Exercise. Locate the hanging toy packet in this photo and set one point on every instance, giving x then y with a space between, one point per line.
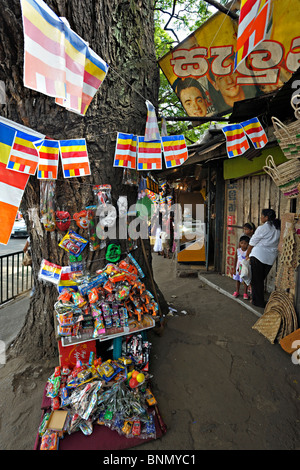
47 208
94 241
103 193
73 243
62 220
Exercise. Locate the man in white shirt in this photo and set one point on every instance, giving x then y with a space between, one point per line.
263 251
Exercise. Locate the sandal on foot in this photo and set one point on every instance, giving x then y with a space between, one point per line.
246 297
235 294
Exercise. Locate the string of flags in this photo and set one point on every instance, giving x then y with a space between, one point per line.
145 152
236 137
28 153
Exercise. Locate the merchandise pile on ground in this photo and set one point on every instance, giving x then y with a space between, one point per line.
114 393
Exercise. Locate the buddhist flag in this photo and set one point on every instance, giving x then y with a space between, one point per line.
58 62
48 159
44 49
175 150
149 155
95 71
74 157
236 140
49 272
253 24
255 132
12 185
151 131
75 53
126 151
66 280
24 156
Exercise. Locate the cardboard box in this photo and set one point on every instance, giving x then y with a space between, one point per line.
57 420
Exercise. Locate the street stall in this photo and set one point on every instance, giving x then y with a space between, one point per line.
93 401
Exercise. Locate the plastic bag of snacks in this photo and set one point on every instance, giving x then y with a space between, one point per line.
49 441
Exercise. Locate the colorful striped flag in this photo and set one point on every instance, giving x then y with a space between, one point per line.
255 132
44 49
49 272
24 155
253 23
75 52
12 185
149 155
74 157
95 71
175 150
66 279
236 140
151 131
57 62
48 159
126 151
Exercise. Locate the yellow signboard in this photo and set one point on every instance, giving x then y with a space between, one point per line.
200 69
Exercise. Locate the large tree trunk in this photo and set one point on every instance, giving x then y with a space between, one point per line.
122 33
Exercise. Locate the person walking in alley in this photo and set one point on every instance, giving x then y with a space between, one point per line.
262 252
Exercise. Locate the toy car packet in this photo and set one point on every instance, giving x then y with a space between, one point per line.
73 243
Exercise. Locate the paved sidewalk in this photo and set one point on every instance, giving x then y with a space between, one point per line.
12 317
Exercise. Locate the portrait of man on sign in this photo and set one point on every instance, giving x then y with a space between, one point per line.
192 96
225 89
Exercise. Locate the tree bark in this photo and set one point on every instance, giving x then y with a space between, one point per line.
122 33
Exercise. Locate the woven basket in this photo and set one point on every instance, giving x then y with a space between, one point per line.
288 137
286 176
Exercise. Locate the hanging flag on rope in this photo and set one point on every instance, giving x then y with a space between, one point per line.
24 156
67 280
236 140
253 24
255 132
44 50
175 150
57 62
74 158
49 272
126 149
48 159
151 131
149 155
95 71
12 185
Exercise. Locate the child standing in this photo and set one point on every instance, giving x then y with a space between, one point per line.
249 229
239 258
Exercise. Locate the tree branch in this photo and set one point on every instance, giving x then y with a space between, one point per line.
223 9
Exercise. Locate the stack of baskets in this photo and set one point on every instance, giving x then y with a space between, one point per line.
287 175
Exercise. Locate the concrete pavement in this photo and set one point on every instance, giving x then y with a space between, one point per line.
12 317
220 385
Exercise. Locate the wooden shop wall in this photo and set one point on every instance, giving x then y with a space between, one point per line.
244 200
